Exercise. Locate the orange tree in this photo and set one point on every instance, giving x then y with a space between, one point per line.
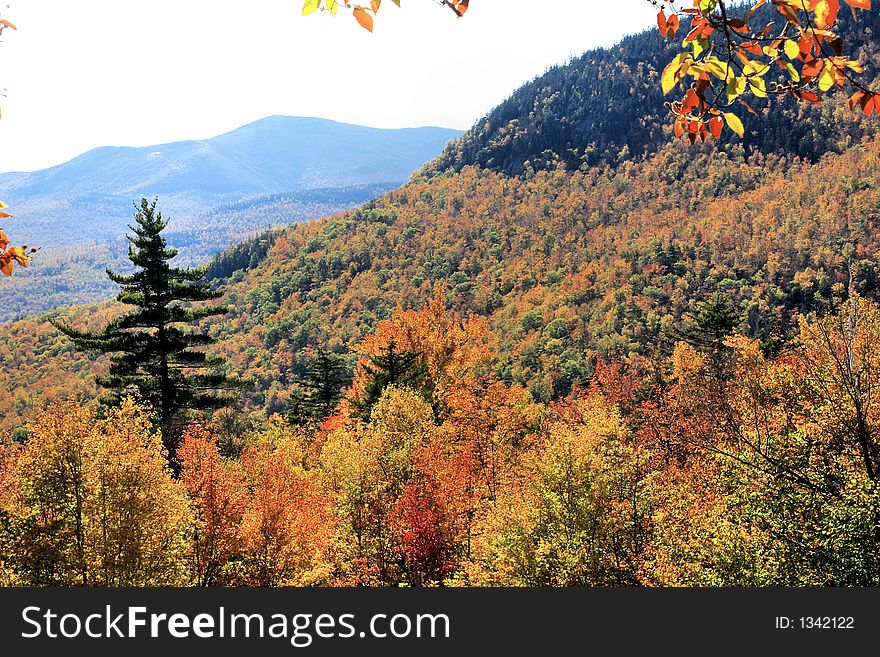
732 55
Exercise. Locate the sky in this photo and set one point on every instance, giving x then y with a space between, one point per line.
79 74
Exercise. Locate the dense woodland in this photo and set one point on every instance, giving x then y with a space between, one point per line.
715 465
570 352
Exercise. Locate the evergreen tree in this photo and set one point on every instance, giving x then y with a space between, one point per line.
322 388
715 321
151 350
390 367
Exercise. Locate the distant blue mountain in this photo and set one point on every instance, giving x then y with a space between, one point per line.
78 210
274 155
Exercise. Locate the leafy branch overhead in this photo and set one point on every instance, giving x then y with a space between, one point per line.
732 54
364 14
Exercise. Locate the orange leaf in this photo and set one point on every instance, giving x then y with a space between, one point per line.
672 25
826 13
662 25
18 254
715 126
362 17
375 5
5 215
680 123
691 101
6 265
855 98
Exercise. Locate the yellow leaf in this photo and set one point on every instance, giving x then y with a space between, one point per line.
758 87
735 88
671 74
734 123
826 80
310 7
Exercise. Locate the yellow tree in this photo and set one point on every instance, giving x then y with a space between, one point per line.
582 514
92 502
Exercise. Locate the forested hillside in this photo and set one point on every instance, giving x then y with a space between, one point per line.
74 273
608 261
572 351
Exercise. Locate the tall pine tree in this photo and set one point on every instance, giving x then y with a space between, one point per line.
151 348
321 387
391 367
715 321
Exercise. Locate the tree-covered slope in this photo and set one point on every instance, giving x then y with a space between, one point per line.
566 266
605 261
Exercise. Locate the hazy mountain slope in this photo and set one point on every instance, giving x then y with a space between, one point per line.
273 155
78 212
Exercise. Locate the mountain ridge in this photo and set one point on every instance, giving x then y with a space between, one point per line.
261 157
77 212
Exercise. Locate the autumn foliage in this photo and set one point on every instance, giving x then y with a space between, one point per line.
11 255
758 470
737 54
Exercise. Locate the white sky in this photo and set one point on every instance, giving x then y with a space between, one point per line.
87 73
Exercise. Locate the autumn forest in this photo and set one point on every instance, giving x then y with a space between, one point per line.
598 341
